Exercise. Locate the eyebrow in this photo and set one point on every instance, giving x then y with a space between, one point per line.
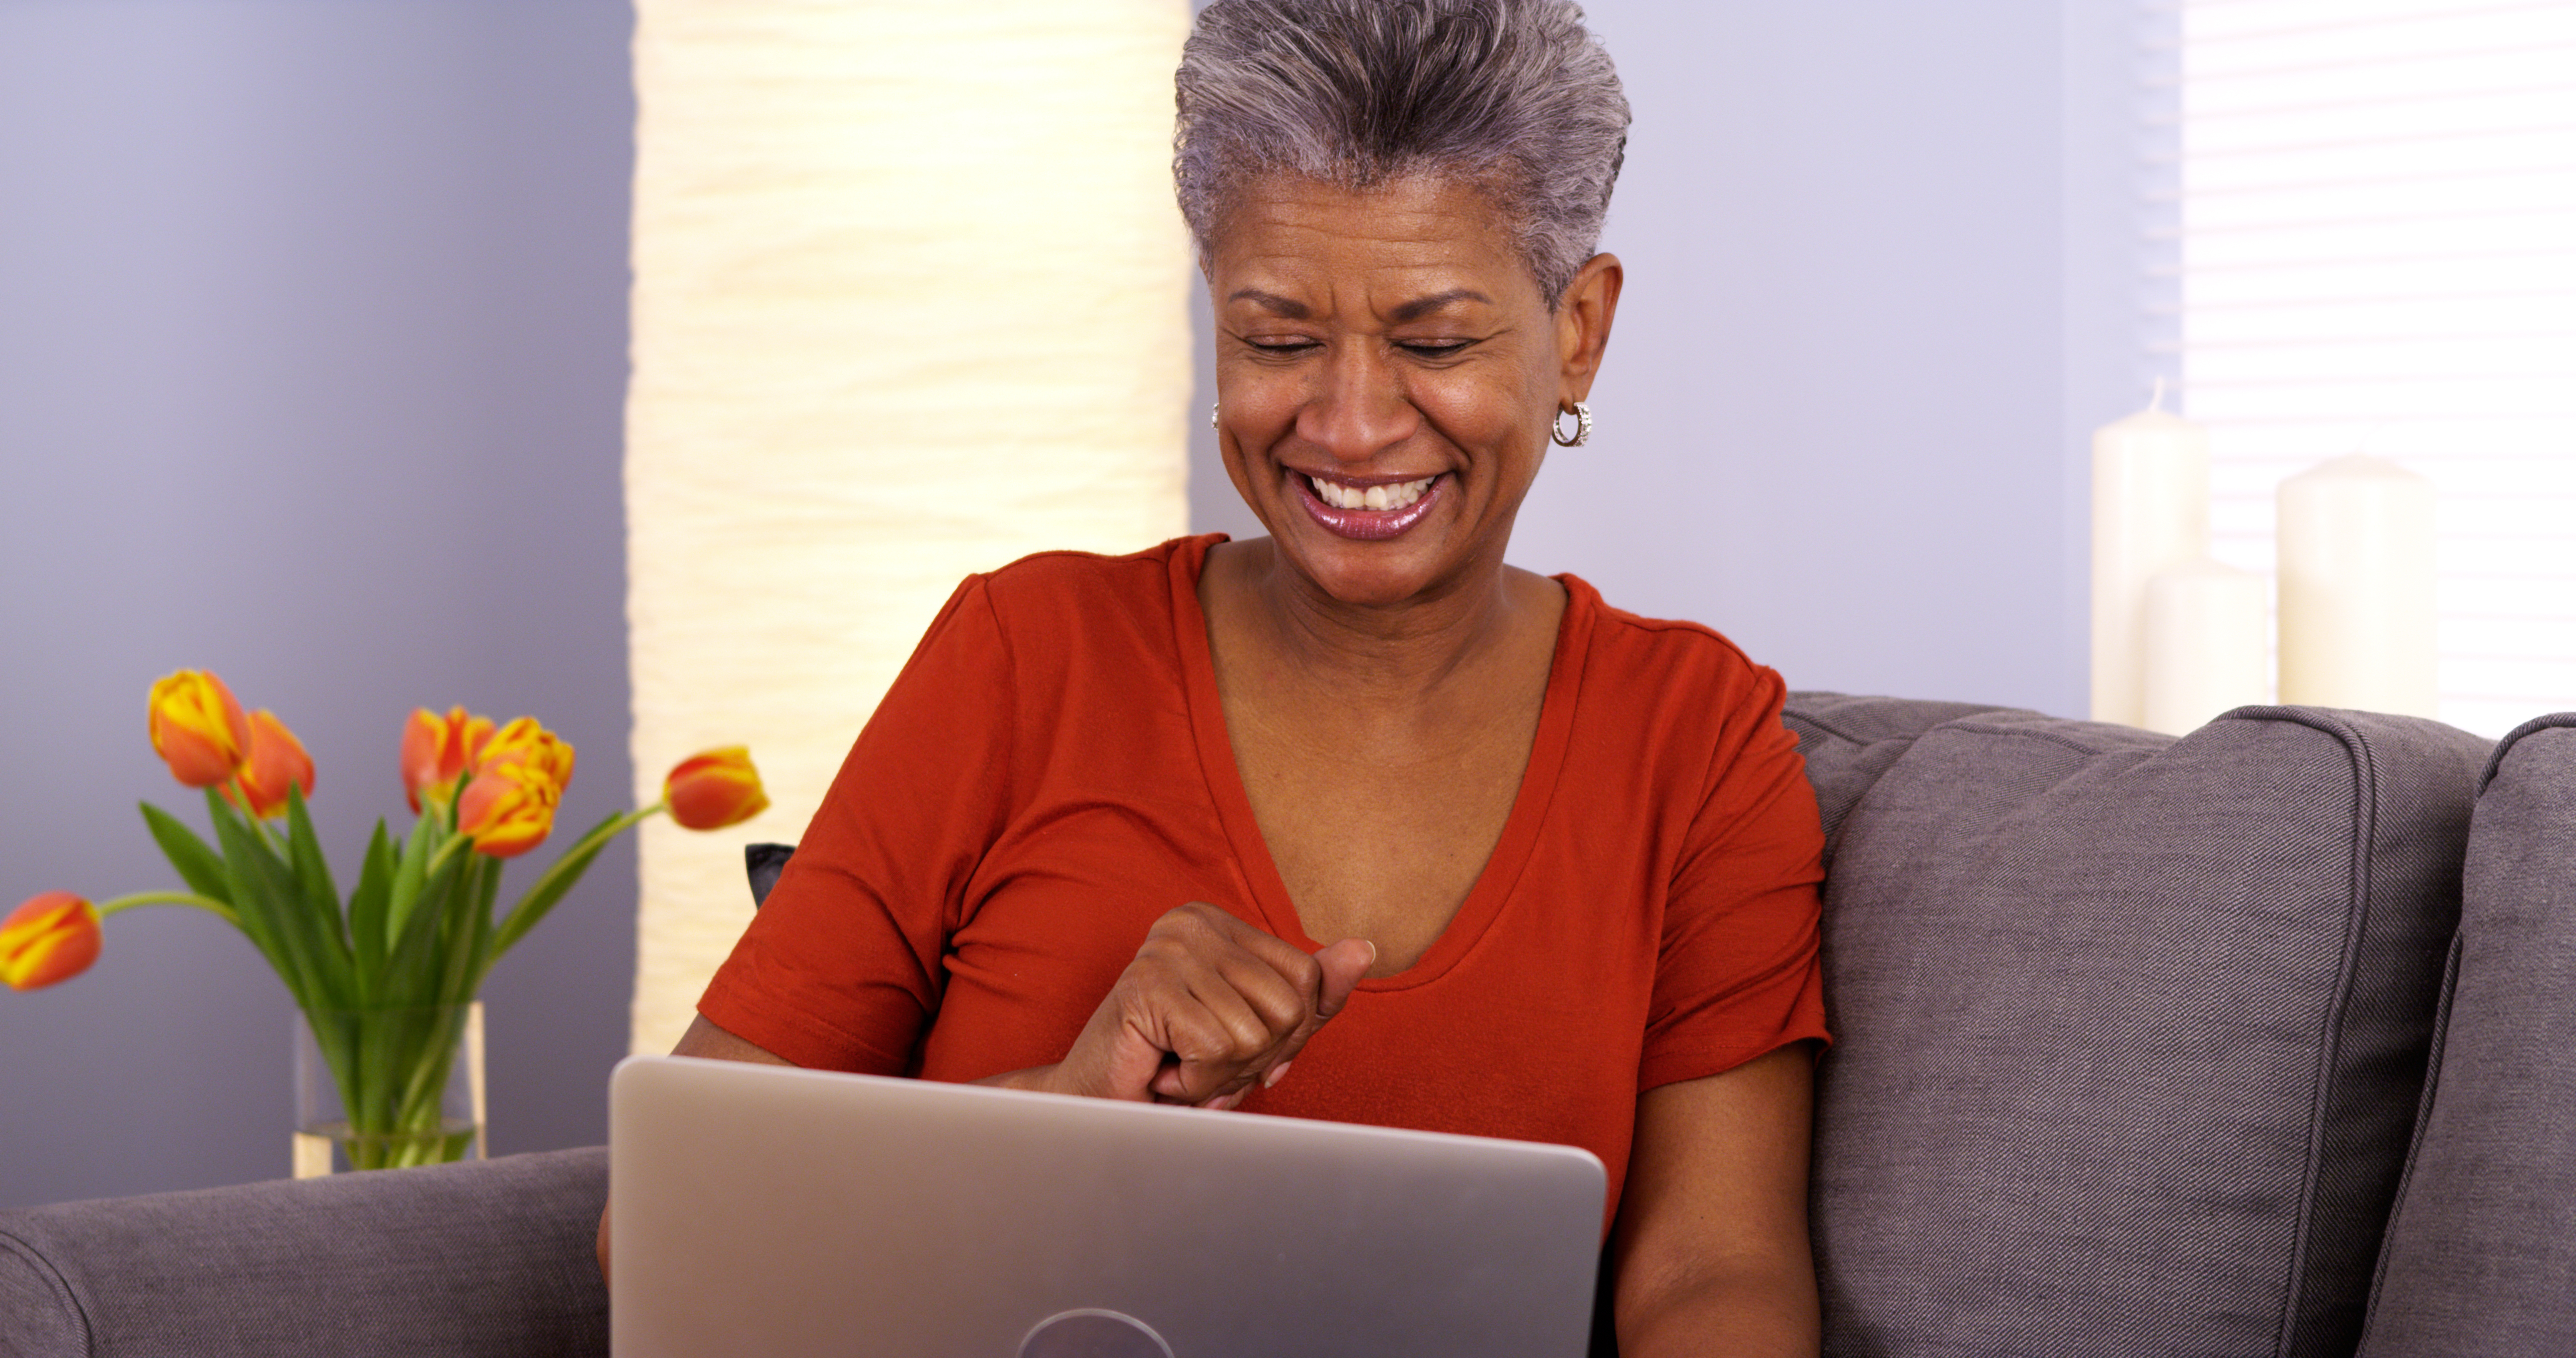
1414 310
1293 310
1420 307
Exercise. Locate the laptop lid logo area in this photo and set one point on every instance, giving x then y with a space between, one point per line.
1091 1333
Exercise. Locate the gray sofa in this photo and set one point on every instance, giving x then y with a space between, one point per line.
2144 1046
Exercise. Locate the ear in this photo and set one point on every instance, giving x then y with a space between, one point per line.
1583 317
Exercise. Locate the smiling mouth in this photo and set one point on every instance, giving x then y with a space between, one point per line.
1400 495
1368 513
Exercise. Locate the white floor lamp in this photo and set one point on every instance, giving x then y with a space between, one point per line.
909 303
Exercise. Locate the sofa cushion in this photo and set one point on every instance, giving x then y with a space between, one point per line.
492 1259
2481 1253
1849 741
2130 1030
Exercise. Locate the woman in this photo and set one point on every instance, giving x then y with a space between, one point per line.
1566 856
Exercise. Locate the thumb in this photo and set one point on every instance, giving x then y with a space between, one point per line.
1344 963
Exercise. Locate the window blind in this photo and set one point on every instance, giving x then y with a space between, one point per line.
2376 234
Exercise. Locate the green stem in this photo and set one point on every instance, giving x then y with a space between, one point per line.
455 845
215 907
607 831
259 826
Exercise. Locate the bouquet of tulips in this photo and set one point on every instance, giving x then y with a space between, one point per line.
384 973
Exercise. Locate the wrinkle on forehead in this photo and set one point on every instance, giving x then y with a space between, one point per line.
1289 235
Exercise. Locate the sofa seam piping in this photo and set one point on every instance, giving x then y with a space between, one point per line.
2358 754
25 1249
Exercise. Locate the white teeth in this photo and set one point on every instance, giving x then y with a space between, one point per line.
1373 497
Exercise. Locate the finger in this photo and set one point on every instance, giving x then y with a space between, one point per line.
1340 967
1250 1035
1278 980
1343 964
1282 992
1207 1063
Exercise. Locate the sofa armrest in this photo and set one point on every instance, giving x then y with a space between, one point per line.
492 1259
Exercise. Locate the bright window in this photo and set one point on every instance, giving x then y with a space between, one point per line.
2377 253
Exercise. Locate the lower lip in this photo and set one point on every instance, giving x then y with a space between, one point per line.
1367 525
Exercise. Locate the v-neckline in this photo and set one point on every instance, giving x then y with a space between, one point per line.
1502 870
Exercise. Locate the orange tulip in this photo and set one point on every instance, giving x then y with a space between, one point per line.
509 808
53 937
437 750
277 762
714 789
523 739
198 728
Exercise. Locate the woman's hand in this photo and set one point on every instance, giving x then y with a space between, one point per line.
1209 1006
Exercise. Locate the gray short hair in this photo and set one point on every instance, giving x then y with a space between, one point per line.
1513 96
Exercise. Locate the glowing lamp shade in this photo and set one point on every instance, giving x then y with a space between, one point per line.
909 303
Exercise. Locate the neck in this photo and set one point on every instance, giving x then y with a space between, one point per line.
1395 653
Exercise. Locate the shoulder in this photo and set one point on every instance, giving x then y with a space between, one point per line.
1047 582
1084 609
1644 656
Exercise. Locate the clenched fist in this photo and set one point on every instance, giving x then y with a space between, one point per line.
1209 1006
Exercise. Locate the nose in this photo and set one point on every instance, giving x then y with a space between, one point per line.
1359 408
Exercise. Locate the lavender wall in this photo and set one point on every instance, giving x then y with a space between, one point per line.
312 356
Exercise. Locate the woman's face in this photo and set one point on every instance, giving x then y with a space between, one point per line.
1387 372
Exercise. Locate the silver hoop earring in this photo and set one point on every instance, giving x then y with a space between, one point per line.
1213 408
1582 427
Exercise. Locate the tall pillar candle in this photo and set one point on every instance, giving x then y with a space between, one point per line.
2204 644
2150 511
2357 610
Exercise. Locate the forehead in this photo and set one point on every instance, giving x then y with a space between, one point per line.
1285 232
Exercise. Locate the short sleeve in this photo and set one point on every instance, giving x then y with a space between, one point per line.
1738 974
842 968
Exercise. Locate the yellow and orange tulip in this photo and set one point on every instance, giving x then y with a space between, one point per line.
509 808
198 729
436 751
714 789
523 739
53 937
277 761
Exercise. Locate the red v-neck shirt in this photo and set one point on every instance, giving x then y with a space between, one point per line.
1051 773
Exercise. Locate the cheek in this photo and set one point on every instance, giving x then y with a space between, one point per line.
1254 396
1489 412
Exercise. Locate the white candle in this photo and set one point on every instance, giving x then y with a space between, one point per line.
2204 644
2357 614
2150 511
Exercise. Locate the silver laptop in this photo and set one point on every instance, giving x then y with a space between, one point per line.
796 1214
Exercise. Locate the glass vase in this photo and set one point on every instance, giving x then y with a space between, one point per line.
388 1088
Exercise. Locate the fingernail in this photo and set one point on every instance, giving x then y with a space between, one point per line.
1276 1074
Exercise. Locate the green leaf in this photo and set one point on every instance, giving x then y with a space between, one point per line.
367 907
471 932
263 891
320 917
412 874
412 969
197 865
559 879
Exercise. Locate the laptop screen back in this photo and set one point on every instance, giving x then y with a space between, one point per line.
793 1213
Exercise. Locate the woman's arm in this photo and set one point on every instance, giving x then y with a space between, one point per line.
1711 1252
